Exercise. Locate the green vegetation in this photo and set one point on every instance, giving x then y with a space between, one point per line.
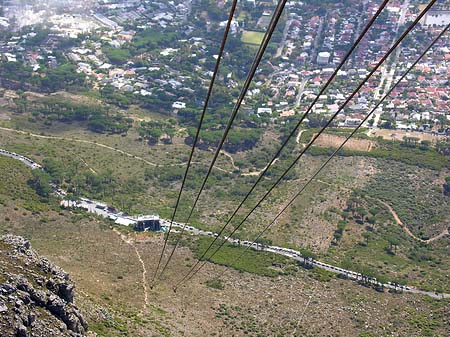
252 37
117 165
447 186
426 158
215 283
322 275
40 182
372 244
96 118
137 187
13 187
150 39
152 131
238 139
62 77
117 56
260 263
415 195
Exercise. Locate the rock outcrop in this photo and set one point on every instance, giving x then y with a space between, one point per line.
36 296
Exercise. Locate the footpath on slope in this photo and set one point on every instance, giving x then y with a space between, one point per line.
405 227
397 218
129 241
71 139
274 249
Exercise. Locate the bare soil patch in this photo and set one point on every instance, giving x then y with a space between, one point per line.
399 134
354 144
4 116
64 96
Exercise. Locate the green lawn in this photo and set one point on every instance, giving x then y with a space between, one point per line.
252 37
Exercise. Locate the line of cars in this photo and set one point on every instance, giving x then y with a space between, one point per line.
25 160
274 249
113 213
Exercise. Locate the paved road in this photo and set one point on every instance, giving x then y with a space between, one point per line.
296 255
315 51
283 39
301 90
387 76
25 160
103 210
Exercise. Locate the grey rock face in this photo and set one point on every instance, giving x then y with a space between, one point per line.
37 297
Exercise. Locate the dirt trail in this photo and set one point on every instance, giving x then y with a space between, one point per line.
299 135
100 145
407 230
127 153
130 242
257 173
311 296
398 220
85 163
254 173
226 154
80 141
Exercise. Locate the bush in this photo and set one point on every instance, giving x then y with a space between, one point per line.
215 283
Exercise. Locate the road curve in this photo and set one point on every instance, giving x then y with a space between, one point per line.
287 252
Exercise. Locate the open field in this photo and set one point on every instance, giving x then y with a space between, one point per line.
252 37
334 141
399 134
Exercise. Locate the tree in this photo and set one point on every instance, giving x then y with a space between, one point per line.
307 254
40 182
410 141
153 135
393 243
264 242
54 169
443 147
117 56
62 77
387 125
425 145
367 236
371 220
362 213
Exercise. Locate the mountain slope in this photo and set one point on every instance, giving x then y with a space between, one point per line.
36 297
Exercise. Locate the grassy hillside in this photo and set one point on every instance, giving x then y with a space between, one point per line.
344 217
108 276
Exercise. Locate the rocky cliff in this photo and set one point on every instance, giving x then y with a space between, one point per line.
36 297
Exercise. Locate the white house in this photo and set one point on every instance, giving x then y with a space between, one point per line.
179 105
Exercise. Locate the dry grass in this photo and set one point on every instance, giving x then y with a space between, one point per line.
354 144
108 276
399 134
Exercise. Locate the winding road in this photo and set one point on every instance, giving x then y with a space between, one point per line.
396 217
290 253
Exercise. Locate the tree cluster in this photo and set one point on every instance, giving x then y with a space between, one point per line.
153 131
97 118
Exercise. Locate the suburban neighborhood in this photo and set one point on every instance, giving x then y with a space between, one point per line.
136 49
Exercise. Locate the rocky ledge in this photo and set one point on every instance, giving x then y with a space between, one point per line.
36 296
